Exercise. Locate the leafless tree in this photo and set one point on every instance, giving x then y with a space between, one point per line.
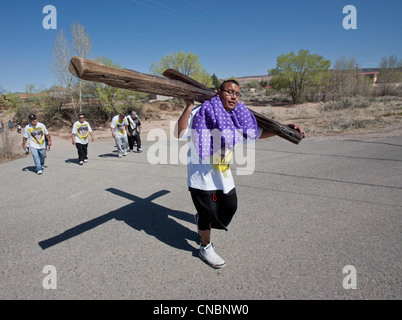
344 77
81 46
62 53
390 72
61 59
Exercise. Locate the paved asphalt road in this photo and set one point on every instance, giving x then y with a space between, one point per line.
123 228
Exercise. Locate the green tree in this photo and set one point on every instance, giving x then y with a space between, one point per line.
108 96
187 64
114 100
297 73
14 103
215 82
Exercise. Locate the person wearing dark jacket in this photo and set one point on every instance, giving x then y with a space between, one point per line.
134 127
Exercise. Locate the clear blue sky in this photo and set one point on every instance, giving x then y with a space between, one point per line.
232 38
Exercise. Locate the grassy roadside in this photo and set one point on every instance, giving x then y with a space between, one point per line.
344 116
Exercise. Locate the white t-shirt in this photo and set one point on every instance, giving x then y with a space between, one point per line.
119 126
208 174
81 132
36 135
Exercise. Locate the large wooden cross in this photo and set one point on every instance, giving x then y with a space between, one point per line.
177 85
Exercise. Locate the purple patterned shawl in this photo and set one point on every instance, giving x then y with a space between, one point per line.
214 128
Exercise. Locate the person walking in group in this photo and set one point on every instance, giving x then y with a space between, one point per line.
119 129
35 133
79 135
134 128
209 177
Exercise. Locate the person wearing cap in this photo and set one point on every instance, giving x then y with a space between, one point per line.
79 136
134 127
35 133
119 128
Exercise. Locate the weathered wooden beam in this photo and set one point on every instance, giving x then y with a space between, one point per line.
131 80
176 75
264 122
180 86
277 128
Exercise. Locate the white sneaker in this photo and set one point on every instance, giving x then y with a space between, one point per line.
209 255
85 160
39 172
124 153
120 155
81 163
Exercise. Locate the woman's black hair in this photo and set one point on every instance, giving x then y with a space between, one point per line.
228 81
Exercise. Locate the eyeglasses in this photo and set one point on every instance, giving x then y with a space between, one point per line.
232 93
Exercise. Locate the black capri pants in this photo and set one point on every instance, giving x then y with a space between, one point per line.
214 208
82 151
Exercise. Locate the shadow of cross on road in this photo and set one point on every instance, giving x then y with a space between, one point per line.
142 214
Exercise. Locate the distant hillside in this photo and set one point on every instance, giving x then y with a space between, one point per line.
243 80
